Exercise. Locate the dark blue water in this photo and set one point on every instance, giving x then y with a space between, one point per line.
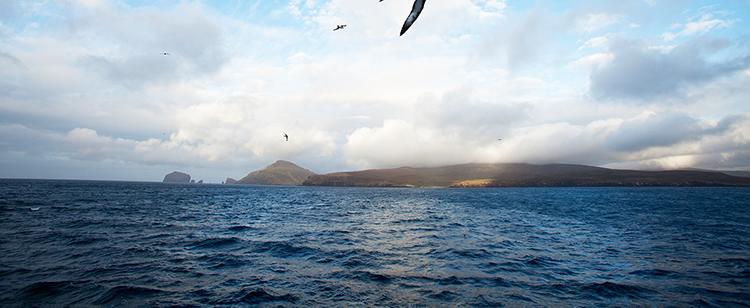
109 243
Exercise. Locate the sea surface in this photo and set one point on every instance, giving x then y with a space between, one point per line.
151 244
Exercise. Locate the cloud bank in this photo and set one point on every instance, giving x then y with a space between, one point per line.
86 92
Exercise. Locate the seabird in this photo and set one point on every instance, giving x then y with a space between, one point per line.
415 11
166 53
286 136
339 27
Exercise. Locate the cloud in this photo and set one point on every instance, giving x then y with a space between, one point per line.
527 39
593 61
596 22
461 110
398 142
703 24
642 73
662 140
595 42
454 128
134 40
650 140
664 130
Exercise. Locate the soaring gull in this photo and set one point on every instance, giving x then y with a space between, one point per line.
415 11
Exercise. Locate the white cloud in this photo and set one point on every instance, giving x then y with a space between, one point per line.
595 42
596 22
703 24
593 61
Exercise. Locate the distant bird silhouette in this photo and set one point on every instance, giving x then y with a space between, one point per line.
415 11
339 27
499 139
286 137
166 53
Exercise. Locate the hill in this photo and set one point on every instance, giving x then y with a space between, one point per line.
522 175
279 173
743 174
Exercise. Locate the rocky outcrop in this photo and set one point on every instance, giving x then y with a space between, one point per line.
177 177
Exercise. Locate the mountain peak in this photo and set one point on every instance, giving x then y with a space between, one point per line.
281 172
283 164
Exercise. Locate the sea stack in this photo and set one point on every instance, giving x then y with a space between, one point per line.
177 177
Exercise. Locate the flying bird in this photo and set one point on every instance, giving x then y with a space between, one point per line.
166 53
339 27
415 11
286 137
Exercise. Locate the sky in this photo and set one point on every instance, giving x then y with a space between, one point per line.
86 92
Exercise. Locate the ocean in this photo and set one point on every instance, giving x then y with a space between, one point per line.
84 243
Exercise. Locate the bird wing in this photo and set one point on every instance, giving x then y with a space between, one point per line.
415 11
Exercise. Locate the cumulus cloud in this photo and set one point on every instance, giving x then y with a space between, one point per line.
640 72
456 127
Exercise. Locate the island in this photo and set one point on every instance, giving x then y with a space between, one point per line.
522 175
177 177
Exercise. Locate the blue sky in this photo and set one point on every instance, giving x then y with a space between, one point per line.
85 91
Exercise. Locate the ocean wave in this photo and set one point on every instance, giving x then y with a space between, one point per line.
539 261
86 241
648 273
46 289
611 290
240 228
255 296
284 249
126 292
215 243
223 261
